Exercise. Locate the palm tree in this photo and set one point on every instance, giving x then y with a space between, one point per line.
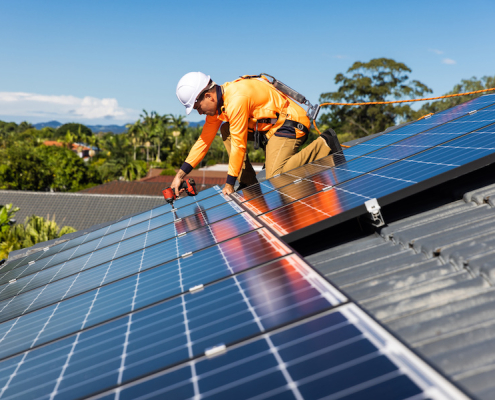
135 134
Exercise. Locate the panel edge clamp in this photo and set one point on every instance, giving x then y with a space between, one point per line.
196 288
373 208
12 281
215 351
188 254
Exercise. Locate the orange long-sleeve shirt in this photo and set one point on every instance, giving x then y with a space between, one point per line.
244 102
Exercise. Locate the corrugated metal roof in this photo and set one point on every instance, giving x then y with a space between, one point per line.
430 279
75 209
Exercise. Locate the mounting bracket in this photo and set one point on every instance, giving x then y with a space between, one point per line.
375 216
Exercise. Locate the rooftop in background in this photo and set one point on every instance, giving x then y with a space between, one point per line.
78 210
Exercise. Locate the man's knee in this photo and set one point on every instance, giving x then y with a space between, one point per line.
225 131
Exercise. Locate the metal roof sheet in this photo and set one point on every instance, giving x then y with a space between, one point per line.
429 278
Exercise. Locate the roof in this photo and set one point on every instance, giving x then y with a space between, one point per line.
153 187
429 277
75 209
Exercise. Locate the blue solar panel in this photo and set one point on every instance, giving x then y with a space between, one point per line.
168 332
335 355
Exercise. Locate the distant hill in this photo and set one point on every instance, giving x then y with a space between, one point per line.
100 128
49 124
94 128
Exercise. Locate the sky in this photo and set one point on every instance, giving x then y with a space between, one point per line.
104 61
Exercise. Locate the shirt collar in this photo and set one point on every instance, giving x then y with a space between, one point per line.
219 99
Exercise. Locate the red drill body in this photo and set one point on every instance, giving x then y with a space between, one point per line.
189 186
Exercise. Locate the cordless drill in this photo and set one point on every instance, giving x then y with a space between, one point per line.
189 185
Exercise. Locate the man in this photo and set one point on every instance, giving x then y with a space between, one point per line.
250 108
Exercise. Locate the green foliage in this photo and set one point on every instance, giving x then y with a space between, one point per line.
168 172
380 79
79 130
44 168
7 214
34 230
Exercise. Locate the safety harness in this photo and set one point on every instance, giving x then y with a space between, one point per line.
261 137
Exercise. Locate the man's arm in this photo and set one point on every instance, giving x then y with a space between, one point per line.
198 151
238 113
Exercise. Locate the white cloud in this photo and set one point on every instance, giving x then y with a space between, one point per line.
63 107
448 61
436 51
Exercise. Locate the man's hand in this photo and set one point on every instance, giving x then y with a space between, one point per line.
228 189
179 178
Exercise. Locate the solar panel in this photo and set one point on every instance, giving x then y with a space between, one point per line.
170 331
337 354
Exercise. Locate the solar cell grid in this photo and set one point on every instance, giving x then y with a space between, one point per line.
419 126
367 163
339 354
23 289
386 181
157 282
155 337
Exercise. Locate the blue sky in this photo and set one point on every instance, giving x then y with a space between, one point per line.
103 61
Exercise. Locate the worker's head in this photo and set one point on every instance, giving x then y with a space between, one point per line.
196 90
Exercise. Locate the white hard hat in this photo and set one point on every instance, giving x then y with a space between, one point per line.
189 87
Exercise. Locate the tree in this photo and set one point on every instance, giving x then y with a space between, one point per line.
466 85
42 168
75 129
380 79
35 230
7 214
135 134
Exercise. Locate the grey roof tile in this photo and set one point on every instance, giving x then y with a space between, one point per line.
459 339
444 319
463 360
445 224
442 294
380 285
80 211
424 218
480 196
480 382
369 268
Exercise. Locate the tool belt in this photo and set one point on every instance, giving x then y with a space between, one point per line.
260 137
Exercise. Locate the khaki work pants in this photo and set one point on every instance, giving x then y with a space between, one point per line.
281 155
